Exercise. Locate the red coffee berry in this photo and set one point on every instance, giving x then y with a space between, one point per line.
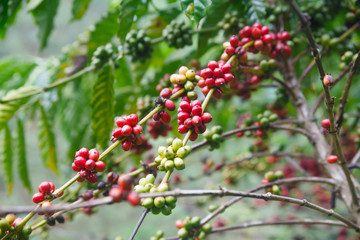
133 198
45 206
83 173
205 73
125 182
255 79
213 64
246 31
284 36
116 194
132 119
165 93
264 30
83 152
137 130
182 116
45 187
197 121
112 177
200 129
52 186
267 38
90 164
287 50
179 224
16 222
219 82
197 110
217 93
126 145
226 68
201 83
100 166
332 159
165 117
195 103
94 154
230 51
264 181
234 41
325 123
210 82
38 197
206 117
228 77
256 33
328 80
218 73
258 44
257 25
182 129
80 162
75 168
185 106
91 178
260 133
80 179
188 123
193 136
120 121
170 105
205 90
117 133
126 130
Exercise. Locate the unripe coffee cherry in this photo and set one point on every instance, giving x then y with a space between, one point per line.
328 80
332 159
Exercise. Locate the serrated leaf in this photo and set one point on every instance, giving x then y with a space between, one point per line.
103 31
126 16
8 109
79 8
102 106
216 12
256 10
21 155
44 14
46 141
7 158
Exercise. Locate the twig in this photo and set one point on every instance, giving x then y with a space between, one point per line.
329 101
306 71
300 55
345 93
284 84
143 215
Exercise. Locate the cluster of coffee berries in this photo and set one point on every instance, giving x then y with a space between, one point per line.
267 65
9 223
129 129
328 80
332 159
172 156
51 220
346 58
214 137
121 188
191 117
190 228
156 205
231 22
244 120
216 75
166 103
87 163
159 236
266 117
101 55
46 190
159 128
185 79
138 45
177 34
273 10
271 177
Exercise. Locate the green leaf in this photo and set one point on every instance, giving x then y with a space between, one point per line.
8 109
8 12
126 16
44 14
21 154
79 8
197 10
46 141
216 13
7 157
13 68
103 31
102 106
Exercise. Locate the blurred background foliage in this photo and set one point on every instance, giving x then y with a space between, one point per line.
45 40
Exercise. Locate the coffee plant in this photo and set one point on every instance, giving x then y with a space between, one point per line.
191 118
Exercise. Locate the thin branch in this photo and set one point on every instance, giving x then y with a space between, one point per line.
282 83
143 215
322 95
345 93
329 101
300 55
306 71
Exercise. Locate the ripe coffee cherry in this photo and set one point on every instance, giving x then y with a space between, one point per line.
325 123
45 187
133 198
112 177
90 164
38 197
116 194
126 145
185 106
165 93
94 154
120 121
226 68
100 166
170 105
328 80
80 162
255 32
179 224
83 173
125 182
213 64
126 130
332 159
83 152
137 130
234 41
284 36
91 178
267 38
117 133
45 206
264 30
206 117
52 185
75 168
246 32
258 44
165 117
132 119
287 50
196 110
